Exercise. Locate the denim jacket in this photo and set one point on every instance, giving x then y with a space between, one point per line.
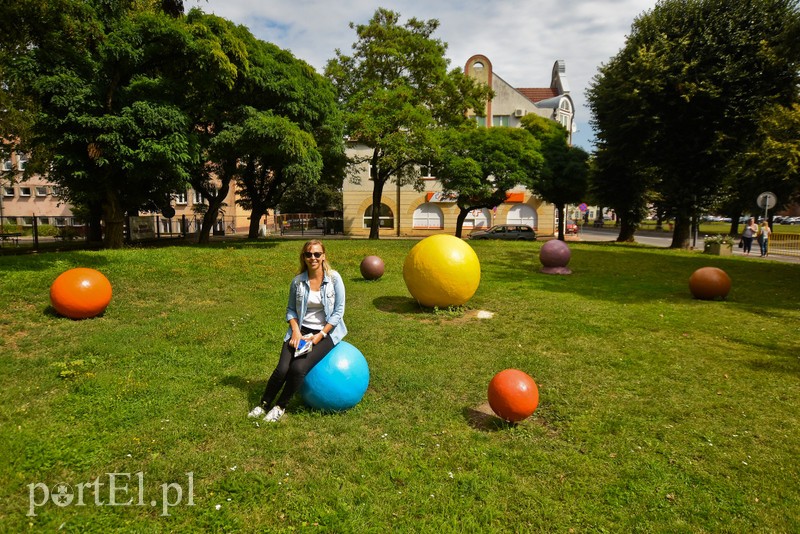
332 292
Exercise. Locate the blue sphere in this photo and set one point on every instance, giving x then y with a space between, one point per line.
339 381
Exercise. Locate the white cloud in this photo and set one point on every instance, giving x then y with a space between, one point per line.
522 39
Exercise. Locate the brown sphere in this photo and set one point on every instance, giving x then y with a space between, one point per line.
372 267
709 283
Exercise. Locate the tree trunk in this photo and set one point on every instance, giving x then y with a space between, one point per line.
462 215
114 218
377 194
214 206
256 213
562 222
94 224
209 220
627 229
735 222
680 237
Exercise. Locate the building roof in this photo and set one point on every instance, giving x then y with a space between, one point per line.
536 94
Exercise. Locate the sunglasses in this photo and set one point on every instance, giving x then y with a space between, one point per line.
313 254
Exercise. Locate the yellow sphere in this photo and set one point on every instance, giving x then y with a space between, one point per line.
442 270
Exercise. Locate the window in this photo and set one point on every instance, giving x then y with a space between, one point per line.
60 221
11 220
44 220
56 192
500 120
427 171
522 214
386 217
27 221
477 219
8 191
428 216
24 191
7 165
22 160
198 198
41 191
480 120
180 198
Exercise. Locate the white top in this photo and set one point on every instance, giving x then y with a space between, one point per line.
315 313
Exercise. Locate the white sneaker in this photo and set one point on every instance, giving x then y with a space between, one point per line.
274 415
258 411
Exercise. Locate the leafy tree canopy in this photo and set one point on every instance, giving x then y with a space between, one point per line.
564 177
481 165
395 90
686 94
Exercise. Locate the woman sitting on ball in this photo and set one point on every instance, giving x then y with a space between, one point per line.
314 313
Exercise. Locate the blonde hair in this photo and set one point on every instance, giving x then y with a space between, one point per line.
326 268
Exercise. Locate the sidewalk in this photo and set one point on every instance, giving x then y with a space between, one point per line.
664 240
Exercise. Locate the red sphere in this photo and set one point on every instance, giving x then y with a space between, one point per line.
513 395
372 267
709 283
80 293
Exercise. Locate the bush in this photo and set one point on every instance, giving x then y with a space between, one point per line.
47 230
8 228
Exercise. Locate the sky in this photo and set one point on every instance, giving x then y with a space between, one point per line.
522 39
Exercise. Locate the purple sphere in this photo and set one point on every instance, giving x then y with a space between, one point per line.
372 267
555 256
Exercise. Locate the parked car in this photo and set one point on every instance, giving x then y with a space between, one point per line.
506 231
571 228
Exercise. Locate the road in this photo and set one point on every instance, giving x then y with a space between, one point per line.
610 234
665 239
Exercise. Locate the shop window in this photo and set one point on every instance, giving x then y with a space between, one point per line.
428 216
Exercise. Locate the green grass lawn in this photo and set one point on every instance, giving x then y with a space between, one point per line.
658 413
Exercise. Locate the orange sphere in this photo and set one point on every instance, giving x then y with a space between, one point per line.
80 293
709 283
513 395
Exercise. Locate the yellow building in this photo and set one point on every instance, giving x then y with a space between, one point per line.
406 212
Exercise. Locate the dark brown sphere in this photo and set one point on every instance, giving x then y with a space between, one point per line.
555 253
709 283
372 267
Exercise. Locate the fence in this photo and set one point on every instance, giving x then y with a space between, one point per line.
784 244
22 232
40 231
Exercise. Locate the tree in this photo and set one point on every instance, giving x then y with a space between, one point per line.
395 90
686 93
110 114
480 165
269 152
771 163
277 123
564 177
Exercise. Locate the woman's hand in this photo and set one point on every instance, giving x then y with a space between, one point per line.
317 338
295 339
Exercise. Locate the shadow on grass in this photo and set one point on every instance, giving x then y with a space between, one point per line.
252 388
402 305
45 261
637 273
479 419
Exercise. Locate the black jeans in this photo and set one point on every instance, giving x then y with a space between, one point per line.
748 244
290 371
